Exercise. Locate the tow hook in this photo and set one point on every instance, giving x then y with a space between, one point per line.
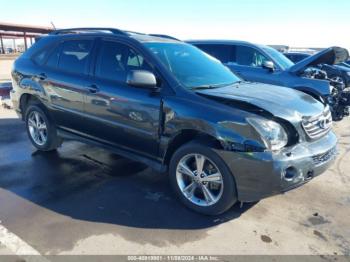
309 175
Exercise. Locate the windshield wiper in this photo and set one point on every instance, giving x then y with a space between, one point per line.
212 86
202 87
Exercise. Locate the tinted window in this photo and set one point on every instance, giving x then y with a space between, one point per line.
249 56
39 58
53 58
278 58
115 60
225 53
74 56
191 66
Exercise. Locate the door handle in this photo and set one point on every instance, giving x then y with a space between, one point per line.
41 76
93 89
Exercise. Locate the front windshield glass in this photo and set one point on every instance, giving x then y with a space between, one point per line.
278 58
192 67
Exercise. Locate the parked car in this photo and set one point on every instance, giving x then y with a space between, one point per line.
296 57
165 103
259 63
339 72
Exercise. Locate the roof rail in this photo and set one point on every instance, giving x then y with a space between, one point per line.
165 36
91 29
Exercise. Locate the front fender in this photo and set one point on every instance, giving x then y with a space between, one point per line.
225 124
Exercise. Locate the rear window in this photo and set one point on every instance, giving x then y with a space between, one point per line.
74 56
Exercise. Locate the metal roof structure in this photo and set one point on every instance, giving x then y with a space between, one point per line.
16 31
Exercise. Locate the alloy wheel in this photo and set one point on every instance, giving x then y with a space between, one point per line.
199 180
37 128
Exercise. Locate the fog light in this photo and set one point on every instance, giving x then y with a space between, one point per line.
290 173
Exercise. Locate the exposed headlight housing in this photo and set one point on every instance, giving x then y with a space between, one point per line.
272 133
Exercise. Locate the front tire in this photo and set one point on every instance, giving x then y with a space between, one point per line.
201 179
40 129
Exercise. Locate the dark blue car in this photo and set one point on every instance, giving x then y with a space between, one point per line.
296 57
339 72
260 63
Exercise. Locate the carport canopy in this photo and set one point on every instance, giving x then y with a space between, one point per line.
15 31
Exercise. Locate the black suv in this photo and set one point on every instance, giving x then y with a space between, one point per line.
163 102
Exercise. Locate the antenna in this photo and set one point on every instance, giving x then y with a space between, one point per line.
53 25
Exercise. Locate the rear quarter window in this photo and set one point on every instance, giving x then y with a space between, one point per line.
39 58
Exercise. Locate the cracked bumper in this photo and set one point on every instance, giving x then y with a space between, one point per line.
262 174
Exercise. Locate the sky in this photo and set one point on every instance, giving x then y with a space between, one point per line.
297 23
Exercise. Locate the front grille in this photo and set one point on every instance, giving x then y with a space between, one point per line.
324 157
318 126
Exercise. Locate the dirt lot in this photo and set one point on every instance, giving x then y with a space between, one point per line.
5 68
85 200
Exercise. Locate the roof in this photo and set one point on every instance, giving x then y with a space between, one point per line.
209 41
298 53
141 37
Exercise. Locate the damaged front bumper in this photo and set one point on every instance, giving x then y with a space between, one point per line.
263 174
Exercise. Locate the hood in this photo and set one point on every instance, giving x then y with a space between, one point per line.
280 101
330 56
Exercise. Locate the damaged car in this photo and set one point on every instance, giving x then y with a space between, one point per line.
338 72
260 63
169 105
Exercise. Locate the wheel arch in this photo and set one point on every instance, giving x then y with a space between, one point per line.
185 136
25 100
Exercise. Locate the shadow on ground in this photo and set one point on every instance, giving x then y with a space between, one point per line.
91 184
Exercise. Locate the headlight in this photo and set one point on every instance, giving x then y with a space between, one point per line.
272 133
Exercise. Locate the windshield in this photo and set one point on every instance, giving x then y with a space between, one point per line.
278 58
192 67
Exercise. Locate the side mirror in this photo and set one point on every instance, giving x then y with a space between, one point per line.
141 78
269 65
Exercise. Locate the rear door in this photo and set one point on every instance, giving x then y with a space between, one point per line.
121 114
65 80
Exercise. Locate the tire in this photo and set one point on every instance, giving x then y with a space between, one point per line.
225 194
52 141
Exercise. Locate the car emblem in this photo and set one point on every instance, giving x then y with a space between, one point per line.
323 123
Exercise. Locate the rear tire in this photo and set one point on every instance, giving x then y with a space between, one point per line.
41 129
196 169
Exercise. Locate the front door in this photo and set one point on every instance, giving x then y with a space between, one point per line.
121 114
248 64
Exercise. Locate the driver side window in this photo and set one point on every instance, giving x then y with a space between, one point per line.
248 56
116 60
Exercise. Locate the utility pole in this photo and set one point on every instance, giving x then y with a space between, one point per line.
25 41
